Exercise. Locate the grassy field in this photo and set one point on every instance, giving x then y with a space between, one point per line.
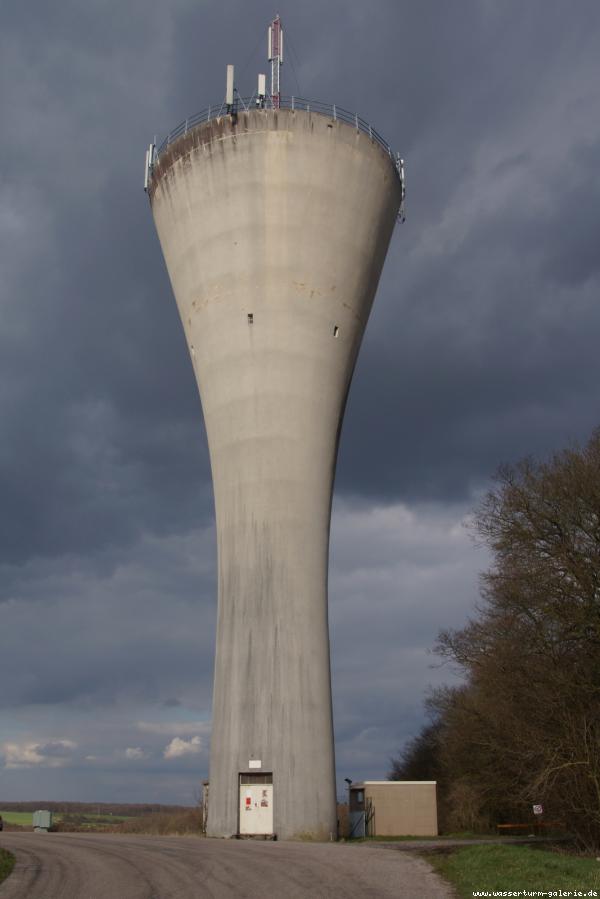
515 868
7 862
463 835
93 820
23 819
108 819
186 822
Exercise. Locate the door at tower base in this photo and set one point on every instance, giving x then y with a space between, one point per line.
256 805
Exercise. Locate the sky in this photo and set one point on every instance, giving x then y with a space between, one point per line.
482 348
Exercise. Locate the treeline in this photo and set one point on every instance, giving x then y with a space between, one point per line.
524 728
94 808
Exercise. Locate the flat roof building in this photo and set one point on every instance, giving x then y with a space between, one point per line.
386 808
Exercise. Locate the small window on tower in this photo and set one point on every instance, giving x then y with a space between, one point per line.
336 330
250 318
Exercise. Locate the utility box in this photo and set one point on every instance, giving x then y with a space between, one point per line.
42 821
393 808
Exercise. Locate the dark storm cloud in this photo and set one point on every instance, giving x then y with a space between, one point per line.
102 437
100 441
139 625
481 348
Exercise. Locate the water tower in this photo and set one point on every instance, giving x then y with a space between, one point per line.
274 216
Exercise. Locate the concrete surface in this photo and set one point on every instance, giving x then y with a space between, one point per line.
104 866
285 217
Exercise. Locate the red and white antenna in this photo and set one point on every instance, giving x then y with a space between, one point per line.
275 57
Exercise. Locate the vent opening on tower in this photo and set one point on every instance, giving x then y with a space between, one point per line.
250 318
336 330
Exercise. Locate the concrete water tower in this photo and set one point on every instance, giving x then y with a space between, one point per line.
274 215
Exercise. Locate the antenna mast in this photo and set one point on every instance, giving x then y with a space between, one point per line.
275 58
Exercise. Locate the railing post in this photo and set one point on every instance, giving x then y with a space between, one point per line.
370 132
356 120
186 126
208 119
334 115
292 102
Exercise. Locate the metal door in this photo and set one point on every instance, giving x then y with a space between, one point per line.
357 825
256 808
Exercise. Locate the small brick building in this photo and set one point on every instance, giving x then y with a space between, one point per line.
387 808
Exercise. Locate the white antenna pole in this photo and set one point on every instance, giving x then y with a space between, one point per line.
229 91
275 55
262 90
148 165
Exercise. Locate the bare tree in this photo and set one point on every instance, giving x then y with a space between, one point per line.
525 727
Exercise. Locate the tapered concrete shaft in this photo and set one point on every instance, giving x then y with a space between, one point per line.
274 229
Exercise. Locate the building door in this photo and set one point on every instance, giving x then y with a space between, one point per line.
357 826
256 804
356 812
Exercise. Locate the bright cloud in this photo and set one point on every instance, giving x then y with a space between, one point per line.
134 753
178 747
53 754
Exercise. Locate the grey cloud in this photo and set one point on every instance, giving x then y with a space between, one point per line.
398 574
142 628
56 749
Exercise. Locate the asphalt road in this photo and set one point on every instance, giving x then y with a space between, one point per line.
108 866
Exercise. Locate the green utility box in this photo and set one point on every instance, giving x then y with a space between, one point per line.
42 821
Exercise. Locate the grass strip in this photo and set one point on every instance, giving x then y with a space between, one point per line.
7 863
23 819
504 868
408 838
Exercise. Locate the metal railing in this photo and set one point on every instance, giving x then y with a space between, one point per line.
244 104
